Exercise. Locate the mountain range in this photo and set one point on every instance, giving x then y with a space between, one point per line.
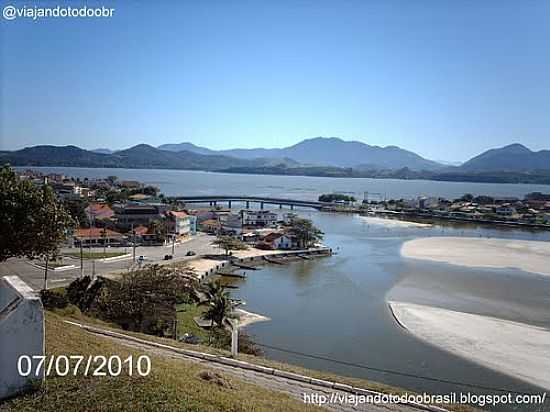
514 157
323 151
312 157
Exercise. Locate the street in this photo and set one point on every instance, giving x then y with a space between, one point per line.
33 275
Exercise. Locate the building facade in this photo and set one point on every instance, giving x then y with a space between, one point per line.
260 218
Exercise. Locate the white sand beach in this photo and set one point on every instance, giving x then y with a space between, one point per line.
512 348
527 255
391 222
248 318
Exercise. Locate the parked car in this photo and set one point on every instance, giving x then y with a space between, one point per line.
190 253
168 257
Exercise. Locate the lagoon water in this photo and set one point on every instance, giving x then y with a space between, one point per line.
337 307
189 183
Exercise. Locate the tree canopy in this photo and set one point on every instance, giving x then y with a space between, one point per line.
229 243
305 231
33 221
333 197
219 305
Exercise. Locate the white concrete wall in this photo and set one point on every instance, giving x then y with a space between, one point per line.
21 333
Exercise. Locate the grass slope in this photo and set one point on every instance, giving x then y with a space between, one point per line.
172 384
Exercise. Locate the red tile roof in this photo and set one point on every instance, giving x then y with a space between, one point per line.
177 213
272 236
141 230
100 210
96 232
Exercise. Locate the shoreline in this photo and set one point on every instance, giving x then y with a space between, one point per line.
527 255
312 175
516 349
388 222
205 268
434 219
247 318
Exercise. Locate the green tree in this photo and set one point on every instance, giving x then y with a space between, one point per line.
332 197
141 300
305 231
229 243
220 308
77 210
468 197
33 221
159 228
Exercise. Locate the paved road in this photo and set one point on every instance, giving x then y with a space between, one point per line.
34 276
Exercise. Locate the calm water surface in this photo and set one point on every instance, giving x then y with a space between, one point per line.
189 183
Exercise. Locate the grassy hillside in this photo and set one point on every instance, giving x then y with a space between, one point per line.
172 385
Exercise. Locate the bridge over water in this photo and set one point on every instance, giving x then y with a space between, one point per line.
214 200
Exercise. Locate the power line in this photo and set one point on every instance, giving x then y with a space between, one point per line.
392 372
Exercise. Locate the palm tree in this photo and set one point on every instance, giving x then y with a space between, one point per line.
219 305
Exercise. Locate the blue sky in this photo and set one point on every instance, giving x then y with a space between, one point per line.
446 79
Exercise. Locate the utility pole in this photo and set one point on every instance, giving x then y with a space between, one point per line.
234 339
81 260
46 274
173 253
176 328
104 238
173 244
133 245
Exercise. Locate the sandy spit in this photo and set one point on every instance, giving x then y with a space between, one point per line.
387 222
527 255
512 348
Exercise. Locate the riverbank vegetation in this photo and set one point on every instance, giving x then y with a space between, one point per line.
336 197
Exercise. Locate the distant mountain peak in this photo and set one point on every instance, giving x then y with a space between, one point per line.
516 147
102 150
325 151
512 158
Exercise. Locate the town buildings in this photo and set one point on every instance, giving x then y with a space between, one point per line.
180 224
259 218
98 211
128 214
96 237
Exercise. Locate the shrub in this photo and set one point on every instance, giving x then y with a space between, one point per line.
53 299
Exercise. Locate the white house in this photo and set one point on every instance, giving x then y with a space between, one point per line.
505 211
259 218
179 223
231 223
277 241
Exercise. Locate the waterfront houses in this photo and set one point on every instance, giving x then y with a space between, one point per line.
276 240
531 210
